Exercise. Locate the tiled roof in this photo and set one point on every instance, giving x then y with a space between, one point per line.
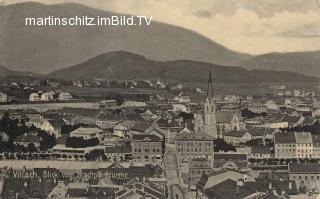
193 137
303 137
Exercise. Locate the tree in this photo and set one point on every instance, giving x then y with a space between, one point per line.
47 141
221 145
119 99
79 142
31 148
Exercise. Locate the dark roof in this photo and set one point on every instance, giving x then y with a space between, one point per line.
283 138
56 123
34 187
260 149
229 189
304 168
260 131
290 119
235 133
148 138
230 156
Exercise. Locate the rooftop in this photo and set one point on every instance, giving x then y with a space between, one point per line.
193 137
86 131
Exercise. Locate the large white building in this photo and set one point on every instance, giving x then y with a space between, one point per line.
291 145
87 133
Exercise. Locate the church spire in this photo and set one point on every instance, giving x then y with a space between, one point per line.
210 85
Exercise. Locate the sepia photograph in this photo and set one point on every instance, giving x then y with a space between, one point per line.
159 99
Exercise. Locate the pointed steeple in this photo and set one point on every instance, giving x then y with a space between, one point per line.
210 85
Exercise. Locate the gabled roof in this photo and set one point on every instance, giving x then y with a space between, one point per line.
56 123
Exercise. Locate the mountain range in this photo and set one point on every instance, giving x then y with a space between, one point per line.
125 65
45 49
307 63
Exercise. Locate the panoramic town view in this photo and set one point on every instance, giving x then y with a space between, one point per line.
159 111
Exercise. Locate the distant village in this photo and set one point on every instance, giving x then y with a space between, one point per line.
159 144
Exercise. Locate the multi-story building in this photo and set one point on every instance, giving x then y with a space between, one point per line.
194 145
293 145
146 147
87 133
305 175
316 146
304 145
237 137
3 97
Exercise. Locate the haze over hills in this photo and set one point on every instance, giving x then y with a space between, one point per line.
5 72
125 65
307 63
45 49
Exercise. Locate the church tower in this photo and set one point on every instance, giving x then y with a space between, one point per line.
210 110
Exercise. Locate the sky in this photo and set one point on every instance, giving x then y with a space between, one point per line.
249 26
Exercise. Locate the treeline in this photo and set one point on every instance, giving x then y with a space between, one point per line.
79 142
314 128
249 114
13 129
